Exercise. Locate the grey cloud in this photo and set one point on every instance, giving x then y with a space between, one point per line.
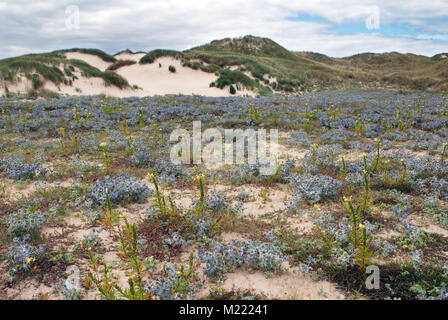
30 26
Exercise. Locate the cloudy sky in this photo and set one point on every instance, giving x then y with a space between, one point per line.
337 28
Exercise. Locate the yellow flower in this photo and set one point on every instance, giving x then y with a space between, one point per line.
317 207
29 260
405 246
103 144
90 249
223 288
361 226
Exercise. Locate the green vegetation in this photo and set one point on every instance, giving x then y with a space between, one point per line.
151 56
172 69
254 63
96 52
228 77
120 63
41 67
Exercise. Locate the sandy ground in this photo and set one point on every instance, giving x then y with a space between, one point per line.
91 59
155 78
151 79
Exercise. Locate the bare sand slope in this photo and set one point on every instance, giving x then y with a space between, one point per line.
155 78
91 59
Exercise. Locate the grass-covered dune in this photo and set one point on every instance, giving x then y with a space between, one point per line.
255 63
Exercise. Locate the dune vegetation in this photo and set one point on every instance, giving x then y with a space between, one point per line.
88 190
257 64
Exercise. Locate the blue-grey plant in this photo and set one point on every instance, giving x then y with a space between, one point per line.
122 188
22 255
27 220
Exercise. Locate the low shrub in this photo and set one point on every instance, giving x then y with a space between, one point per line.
122 188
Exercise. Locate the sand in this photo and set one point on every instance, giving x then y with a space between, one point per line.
149 79
155 78
91 59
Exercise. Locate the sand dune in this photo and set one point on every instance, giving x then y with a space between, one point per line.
145 79
130 56
155 78
91 59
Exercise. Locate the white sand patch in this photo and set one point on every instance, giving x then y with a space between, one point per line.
91 59
155 78
285 286
290 152
22 85
150 79
30 289
435 229
262 200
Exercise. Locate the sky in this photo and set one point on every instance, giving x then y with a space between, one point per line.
336 28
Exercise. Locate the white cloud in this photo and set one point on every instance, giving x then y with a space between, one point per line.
29 26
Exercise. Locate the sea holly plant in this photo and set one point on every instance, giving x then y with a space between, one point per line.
175 283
